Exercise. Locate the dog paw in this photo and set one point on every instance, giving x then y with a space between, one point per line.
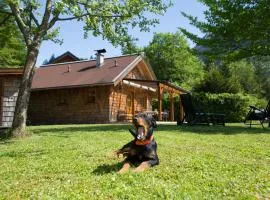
143 166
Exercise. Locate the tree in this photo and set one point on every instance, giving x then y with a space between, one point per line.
52 58
233 29
12 48
172 59
262 71
130 47
109 19
243 74
215 81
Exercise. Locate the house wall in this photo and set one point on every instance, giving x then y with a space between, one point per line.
69 106
9 92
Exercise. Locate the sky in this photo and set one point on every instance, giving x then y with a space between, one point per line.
71 32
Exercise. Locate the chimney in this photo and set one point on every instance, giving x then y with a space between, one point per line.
100 57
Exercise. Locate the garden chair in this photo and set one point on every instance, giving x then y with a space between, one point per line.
194 116
256 114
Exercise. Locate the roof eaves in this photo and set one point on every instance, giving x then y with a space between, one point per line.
150 69
123 73
72 86
174 86
11 71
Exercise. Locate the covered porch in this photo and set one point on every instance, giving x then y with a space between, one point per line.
159 88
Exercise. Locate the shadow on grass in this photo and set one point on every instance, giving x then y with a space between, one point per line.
5 135
225 130
16 154
65 131
106 169
68 130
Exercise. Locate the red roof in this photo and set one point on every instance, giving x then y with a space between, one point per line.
83 73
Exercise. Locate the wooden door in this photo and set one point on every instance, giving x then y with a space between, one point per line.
129 104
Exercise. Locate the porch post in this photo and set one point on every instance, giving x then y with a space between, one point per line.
171 107
133 103
159 102
181 110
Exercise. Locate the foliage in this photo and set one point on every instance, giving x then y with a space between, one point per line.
12 48
215 81
75 162
262 71
172 59
243 74
130 47
239 76
233 29
235 106
52 58
109 19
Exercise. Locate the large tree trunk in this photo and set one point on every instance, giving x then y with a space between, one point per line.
20 115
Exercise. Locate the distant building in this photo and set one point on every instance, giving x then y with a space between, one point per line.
65 57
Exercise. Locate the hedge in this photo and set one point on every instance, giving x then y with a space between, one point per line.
234 106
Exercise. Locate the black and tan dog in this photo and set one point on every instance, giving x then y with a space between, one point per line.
143 149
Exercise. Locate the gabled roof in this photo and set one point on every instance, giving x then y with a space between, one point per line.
86 73
65 56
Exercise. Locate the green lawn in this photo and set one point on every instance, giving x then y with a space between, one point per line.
75 162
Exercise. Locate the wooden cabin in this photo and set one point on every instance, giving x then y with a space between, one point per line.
95 91
9 87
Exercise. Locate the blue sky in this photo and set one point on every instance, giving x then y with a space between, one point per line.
72 33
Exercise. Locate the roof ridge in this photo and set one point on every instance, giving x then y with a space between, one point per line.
64 63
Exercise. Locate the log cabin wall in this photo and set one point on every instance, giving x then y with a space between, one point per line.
122 96
121 100
9 88
69 106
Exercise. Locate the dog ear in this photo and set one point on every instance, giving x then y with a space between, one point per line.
152 121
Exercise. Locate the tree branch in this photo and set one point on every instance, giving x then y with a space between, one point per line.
5 12
34 19
5 19
53 20
17 14
91 15
47 14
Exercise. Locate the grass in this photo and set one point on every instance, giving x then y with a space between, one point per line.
75 162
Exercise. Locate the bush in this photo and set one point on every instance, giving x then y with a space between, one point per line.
235 106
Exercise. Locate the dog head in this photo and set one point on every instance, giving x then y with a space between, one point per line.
144 126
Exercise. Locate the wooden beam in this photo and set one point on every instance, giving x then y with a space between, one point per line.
181 110
133 103
171 107
159 102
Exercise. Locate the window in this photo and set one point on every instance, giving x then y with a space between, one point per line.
142 102
62 98
91 96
